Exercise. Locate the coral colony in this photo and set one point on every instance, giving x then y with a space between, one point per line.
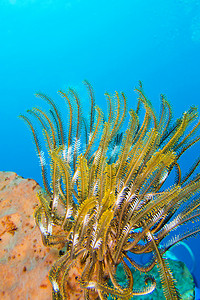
106 200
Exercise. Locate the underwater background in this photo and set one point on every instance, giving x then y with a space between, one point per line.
47 45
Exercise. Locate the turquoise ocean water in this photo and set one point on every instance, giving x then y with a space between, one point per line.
46 45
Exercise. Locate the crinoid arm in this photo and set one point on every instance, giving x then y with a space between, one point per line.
105 195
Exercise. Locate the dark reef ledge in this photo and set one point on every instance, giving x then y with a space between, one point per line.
25 262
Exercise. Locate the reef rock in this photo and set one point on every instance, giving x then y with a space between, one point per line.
24 261
182 276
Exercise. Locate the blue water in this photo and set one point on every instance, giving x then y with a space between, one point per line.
46 45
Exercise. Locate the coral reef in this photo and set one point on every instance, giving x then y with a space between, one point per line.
21 247
106 197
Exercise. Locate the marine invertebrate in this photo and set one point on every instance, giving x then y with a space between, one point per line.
106 197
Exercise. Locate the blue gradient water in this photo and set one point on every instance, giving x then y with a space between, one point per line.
49 45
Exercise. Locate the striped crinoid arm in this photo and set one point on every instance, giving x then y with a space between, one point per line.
40 154
56 115
167 280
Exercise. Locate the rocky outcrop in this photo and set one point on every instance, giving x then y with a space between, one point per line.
24 261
